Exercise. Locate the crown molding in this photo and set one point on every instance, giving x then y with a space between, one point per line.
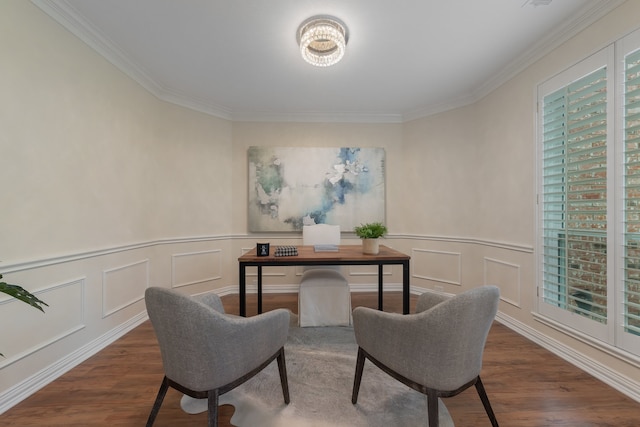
590 13
64 13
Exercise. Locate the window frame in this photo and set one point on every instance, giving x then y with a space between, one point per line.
626 46
612 336
598 60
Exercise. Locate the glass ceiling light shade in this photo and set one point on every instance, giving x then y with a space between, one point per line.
323 40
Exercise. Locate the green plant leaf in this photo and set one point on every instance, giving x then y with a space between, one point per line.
22 294
372 230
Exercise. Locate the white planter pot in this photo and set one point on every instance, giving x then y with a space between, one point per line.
370 246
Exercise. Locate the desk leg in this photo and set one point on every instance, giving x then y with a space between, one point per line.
243 290
259 289
405 287
380 290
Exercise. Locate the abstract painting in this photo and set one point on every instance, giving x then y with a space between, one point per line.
294 186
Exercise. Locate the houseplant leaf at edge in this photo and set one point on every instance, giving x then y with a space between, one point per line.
23 295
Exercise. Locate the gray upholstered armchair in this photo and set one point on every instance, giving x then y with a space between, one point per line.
206 353
437 351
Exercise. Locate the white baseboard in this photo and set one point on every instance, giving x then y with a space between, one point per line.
26 388
623 384
293 288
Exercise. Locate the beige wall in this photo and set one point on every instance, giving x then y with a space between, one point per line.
107 190
439 197
92 159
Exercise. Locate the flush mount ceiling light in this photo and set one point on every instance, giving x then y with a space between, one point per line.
322 40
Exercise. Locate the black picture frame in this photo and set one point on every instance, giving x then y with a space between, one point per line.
262 249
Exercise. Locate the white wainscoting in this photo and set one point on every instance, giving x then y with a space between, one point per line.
63 317
506 276
191 268
251 277
368 270
123 286
439 266
119 276
88 313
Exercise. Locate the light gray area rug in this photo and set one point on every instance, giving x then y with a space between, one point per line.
321 366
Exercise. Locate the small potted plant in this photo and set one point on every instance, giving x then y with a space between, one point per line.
370 233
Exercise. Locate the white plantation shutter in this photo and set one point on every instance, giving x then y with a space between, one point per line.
574 197
631 288
575 191
589 197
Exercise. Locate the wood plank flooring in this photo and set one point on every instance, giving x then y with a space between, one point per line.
527 385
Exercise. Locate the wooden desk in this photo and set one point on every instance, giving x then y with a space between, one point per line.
347 255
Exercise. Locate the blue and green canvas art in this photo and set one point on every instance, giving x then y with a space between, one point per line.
294 186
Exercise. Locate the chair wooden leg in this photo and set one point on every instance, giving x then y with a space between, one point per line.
432 407
485 401
282 368
358 377
212 400
159 398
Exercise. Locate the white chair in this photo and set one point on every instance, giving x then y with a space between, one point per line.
324 298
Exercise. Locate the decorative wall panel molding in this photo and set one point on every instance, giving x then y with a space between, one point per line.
439 266
373 287
368 270
63 317
266 272
510 246
35 382
13 267
191 268
506 276
123 286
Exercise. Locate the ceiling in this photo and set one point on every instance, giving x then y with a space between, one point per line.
239 60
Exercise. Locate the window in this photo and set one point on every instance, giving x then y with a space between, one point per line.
589 196
631 290
575 196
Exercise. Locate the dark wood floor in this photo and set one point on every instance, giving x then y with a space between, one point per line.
527 385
